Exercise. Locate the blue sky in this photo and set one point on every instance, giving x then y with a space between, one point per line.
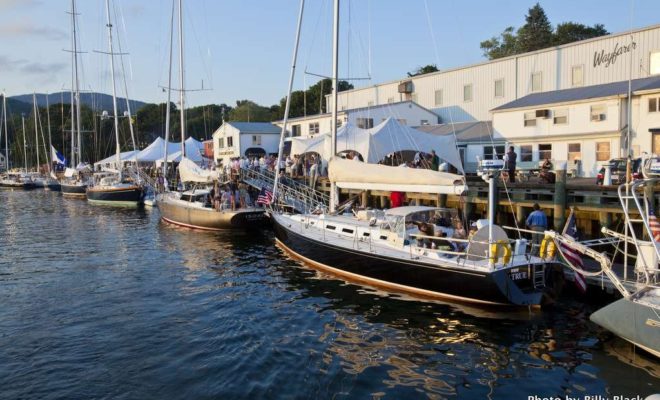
241 49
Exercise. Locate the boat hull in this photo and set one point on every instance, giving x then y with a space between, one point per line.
634 321
8 185
70 190
209 219
122 196
408 276
54 186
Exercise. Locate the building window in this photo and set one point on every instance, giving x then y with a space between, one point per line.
365 123
654 60
526 152
602 151
574 151
537 82
221 143
295 130
370 104
438 97
467 92
424 122
339 122
390 100
654 102
560 117
530 118
488 152
577 76
598 113
545 151
230 141
256 140
314 128
499 88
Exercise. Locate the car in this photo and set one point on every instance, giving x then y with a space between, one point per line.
618 170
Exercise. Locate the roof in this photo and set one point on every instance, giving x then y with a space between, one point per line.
466 132
582 93
350 110
255 127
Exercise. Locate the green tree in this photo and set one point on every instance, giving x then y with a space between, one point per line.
249 111
503 46
536 34
427 69
568 32
312 100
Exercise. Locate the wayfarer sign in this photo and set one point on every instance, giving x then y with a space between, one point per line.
605 59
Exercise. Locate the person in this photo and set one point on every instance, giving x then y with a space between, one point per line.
546 175
511 157
396 199
227 198
314 172
435 161
426 229
537 222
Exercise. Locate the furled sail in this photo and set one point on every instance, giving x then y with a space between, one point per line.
351 174
191 172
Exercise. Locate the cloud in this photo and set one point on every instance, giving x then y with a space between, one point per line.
29 29
6 5
29 67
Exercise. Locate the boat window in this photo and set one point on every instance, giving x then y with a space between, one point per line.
331 227
346 230
366 234
383 237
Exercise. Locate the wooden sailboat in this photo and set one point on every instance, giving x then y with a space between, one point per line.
112 188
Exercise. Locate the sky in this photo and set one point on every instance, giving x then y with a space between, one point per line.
242 49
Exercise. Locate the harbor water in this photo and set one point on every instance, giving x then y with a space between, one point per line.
102 302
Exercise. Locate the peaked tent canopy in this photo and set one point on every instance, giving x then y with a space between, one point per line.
124 156
156 150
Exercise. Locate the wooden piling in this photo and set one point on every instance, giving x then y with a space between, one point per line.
559 199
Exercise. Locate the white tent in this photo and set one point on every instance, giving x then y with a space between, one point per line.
110 161
191 172
194 149
374 144
156 150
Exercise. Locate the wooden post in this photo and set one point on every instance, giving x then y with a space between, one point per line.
559 206
442 200
365 198
605 219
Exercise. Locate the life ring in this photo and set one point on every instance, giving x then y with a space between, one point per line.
503 247
548 248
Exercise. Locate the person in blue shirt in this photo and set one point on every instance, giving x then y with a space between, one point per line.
538 222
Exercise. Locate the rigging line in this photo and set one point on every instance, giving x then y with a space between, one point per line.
435 43
317 26
191 24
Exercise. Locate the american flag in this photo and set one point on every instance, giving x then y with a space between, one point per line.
571 256
655 226
265 196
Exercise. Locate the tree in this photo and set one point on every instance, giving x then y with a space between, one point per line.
536 34
569 32
504 46
247 110
310 101
427 69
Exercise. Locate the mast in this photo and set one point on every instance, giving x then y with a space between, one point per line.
36 127
77 84
49 153
181 83
114 90
288 97
74 72
4 115
24 143
333 123
169 95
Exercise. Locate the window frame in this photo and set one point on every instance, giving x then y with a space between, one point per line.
555 117
543 153
435 97
501 82
529 122
656 100
600 152
221 143
256 140
364 123
592 112
296 130
230 142
526 156
654 62
469 89
571 154
538 74
314 128
574 68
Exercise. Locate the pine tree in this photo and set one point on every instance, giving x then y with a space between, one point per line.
536 34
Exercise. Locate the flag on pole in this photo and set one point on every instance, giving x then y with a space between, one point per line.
265 196
571 256
56 156
655 226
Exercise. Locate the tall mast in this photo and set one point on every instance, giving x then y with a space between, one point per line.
74 72
36 127
24 143
169 94
77 84
181 83
49 153
114 90
288 96
4 114
333 123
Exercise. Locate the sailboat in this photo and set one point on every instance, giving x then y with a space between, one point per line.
112 187
194 208
74 183
388 249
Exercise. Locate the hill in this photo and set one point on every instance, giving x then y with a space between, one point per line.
93 100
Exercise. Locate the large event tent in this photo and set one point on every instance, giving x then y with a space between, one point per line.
156 151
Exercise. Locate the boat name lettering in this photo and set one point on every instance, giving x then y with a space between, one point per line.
601 57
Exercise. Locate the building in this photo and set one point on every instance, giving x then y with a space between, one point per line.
236 139
406 112
585 126
469 93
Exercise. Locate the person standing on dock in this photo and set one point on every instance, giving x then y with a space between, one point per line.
537 221
511 157
435 161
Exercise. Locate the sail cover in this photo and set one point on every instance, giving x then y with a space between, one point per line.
191 172
352 174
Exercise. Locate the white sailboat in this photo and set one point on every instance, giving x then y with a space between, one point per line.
14 180
112 187
400 249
